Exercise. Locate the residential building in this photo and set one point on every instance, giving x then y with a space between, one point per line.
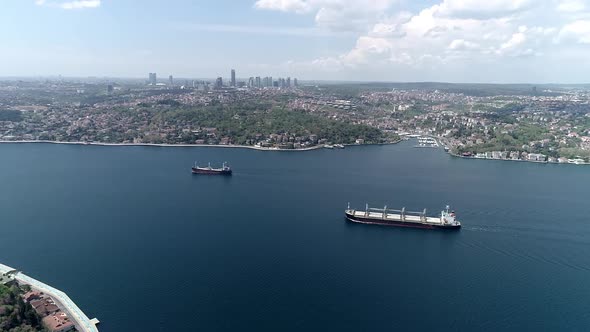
58 322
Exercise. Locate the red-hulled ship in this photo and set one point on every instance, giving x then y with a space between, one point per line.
224 170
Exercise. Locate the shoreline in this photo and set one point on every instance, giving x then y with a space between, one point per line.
517 160
235 146
161 145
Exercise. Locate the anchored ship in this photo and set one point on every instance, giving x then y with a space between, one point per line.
224 170
403 218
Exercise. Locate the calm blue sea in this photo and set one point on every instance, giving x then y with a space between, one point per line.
139 242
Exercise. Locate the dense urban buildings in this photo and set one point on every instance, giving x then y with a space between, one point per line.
532 123
252 82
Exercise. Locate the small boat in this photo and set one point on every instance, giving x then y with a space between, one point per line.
327 146
224 170
339 146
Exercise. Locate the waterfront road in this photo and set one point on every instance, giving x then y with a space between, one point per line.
63 301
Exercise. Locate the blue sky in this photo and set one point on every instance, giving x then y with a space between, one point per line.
373 40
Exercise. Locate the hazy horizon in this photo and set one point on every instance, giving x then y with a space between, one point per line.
164 79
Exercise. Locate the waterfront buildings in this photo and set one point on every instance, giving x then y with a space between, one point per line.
51 315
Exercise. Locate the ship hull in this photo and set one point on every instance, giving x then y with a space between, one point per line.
211 171
397 223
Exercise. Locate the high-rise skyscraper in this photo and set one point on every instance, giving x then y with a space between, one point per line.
288 82
233 78
258 82
171 80
295 83
251 82
153 79
219 83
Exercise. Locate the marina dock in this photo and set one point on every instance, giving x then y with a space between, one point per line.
62 300
427 142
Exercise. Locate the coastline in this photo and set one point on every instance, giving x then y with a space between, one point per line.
162 145
235 146
517 160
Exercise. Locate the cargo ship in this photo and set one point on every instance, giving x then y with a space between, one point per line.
224 170
402 218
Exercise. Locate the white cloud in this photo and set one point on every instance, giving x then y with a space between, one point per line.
391 27
482 9
304 6
577 31
486 36
368 50
298 6
462 45
338 15
449 34
512 44
78 4
326 64
255 29
571 6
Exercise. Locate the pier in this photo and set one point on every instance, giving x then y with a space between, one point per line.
61 299
427 142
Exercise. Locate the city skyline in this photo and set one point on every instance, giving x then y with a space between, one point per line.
497 41
233 82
